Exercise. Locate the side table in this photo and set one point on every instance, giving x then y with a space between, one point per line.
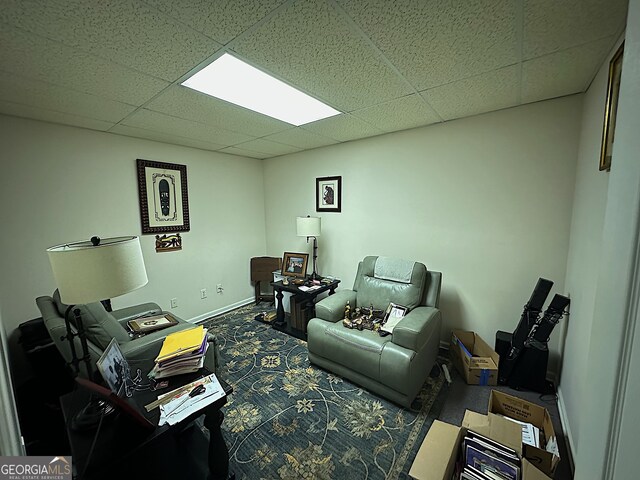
122 448
301 301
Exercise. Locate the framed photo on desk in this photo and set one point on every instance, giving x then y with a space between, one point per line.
295 264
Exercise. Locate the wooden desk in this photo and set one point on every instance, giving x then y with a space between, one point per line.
305 302
123 449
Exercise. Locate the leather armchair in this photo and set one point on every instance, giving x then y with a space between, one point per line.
101 326
395 366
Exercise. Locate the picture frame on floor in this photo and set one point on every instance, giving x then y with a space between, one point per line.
164 199
611 109
329 194
295 264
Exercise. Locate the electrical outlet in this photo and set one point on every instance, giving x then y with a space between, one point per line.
174 303
219 288
203 293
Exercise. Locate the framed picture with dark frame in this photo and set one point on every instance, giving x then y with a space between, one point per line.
329 194
295 264
613 92
164 200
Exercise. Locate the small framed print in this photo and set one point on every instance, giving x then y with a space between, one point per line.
164 201
613 92
295 264
392 317
329 194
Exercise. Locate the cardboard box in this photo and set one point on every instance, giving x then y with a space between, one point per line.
476 361
519 409
440 449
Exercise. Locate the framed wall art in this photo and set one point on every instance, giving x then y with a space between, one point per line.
164 201
329 194
613 91
295 264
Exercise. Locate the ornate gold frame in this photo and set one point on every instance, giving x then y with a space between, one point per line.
613 91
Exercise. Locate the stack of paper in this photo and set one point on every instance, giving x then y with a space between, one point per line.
181 406
182 352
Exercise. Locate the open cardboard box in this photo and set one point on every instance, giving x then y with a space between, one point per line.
476 361
519 409
439 452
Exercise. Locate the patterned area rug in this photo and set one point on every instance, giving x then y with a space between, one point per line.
288 419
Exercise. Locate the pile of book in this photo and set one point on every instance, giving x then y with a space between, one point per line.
182 352
486 459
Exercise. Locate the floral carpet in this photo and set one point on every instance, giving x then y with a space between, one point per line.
287 419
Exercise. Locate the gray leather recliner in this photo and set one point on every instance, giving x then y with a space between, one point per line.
395 366
101 326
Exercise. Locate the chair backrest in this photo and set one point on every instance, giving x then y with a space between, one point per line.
381 280
100 327
262 268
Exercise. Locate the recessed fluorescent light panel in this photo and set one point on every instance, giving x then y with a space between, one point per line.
237 82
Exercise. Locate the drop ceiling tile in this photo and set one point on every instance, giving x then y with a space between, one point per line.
343 128
433 43
41 59
245 153
186 103
130 33
265 146
34 93
479 94
311 47
184 128
298 137
550 25
37 113
163 137
563 73
399 114
221 21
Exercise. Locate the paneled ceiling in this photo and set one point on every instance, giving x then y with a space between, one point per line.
389 65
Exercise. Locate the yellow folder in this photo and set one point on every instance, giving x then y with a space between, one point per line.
180 342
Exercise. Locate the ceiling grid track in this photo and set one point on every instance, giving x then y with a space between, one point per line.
519 26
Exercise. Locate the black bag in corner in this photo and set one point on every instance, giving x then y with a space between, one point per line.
33 334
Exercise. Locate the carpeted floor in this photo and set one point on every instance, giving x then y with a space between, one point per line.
289 420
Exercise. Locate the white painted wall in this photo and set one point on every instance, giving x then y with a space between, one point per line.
486 200
583 262
62 184
609 418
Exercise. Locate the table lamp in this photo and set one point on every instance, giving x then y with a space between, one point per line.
88 272
310 227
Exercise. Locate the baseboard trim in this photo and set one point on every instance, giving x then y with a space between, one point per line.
562 412
220 311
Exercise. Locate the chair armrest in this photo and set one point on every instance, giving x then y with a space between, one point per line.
415 329
148 346
123 315
331 308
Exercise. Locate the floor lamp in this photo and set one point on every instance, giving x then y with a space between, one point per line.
310 227
88 272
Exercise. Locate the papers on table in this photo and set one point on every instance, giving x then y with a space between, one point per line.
181 405
304 288
182 352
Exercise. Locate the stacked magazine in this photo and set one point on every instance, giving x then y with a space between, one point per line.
486 459
182 352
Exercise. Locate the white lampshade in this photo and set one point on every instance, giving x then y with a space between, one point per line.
85 273
308 226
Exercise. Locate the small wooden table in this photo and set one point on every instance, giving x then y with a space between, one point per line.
302 304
